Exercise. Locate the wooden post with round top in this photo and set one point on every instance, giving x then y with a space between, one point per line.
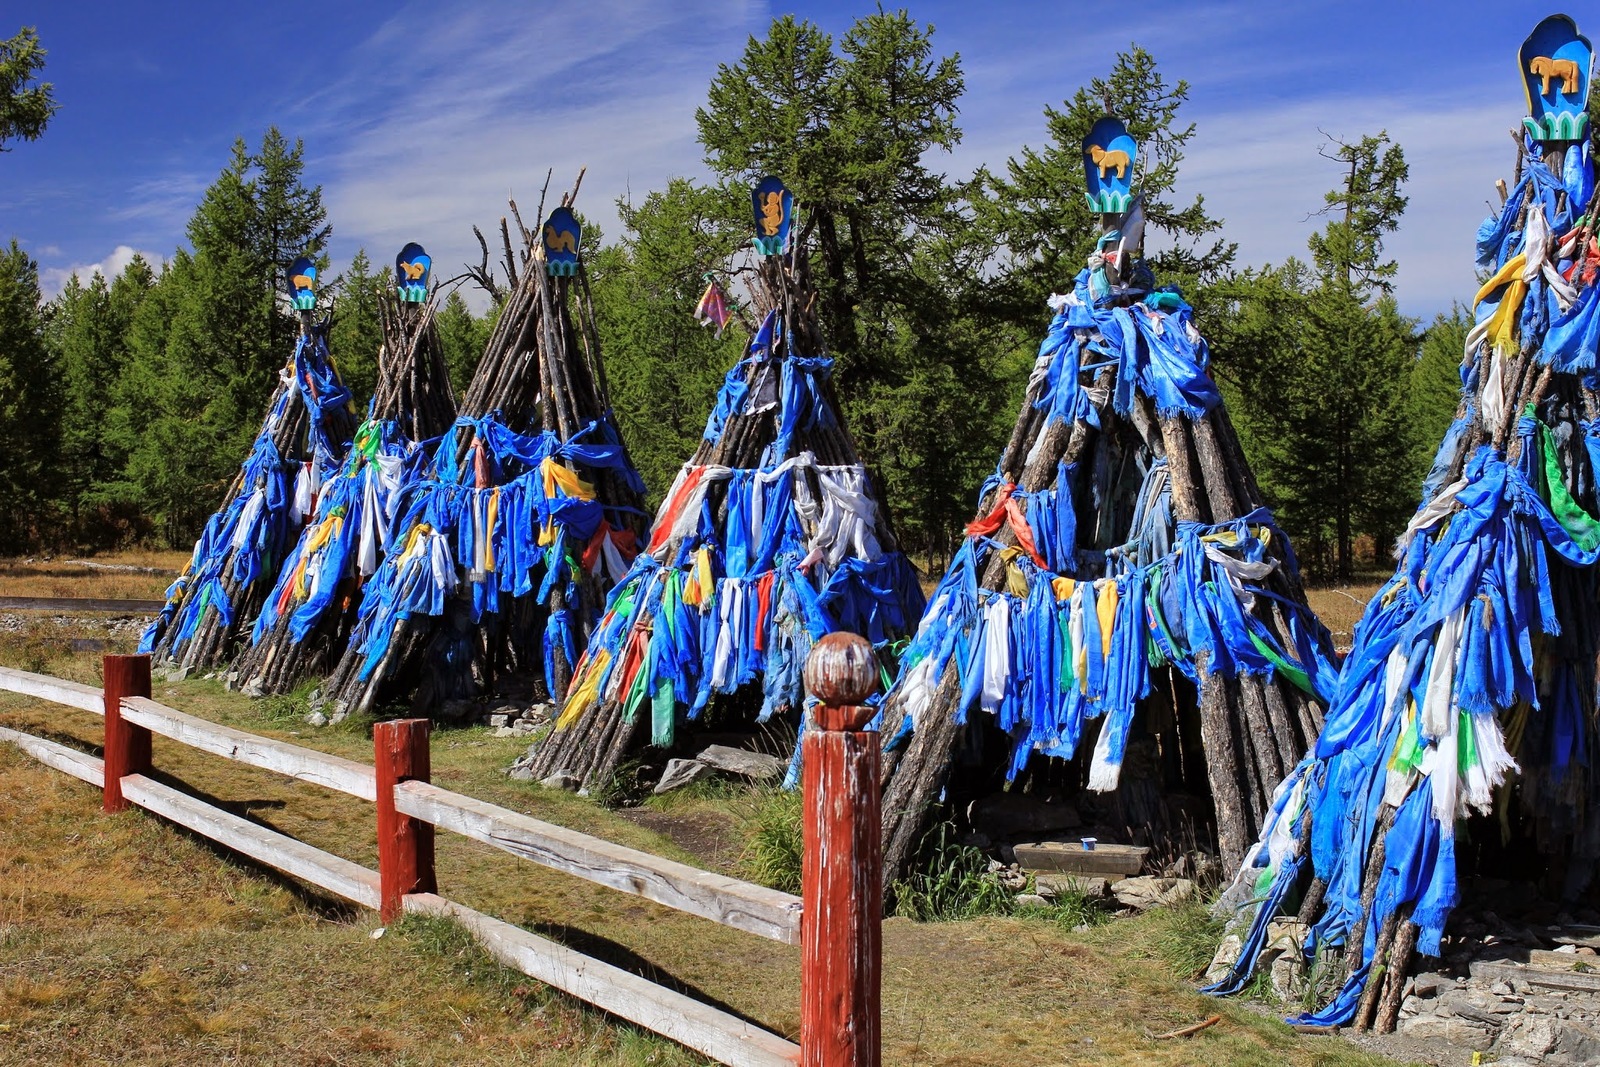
405 844
127 747
841 928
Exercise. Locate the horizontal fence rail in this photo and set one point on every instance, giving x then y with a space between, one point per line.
752 908
306 764
405 879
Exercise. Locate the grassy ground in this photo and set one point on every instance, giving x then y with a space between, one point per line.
69 577
1340 605
122 928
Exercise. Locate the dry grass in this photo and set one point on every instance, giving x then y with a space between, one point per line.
1341 605
36 576
119 926
123 940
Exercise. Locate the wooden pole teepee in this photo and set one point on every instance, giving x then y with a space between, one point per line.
1123 589
500 557
771 536
1463 735
307 617
303 439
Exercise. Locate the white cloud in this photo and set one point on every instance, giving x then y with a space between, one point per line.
54 279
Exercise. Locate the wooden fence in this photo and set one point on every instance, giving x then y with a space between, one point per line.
840 934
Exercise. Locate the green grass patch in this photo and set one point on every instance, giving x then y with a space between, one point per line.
951 882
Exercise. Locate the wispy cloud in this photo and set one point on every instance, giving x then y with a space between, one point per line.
433 132
1260 170
163 204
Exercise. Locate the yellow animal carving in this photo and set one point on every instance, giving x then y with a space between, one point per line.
1110 159
771 214
560 242
413 271
304 281
1547 68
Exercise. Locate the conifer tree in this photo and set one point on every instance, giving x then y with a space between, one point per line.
855 128
206 350
1324 360
463 336
26 105
356 335
29 405
1036 209
90 343
664 367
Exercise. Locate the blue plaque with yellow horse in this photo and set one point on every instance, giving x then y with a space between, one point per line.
562 235
774 209
411 270
303 284
1557 62
1109 154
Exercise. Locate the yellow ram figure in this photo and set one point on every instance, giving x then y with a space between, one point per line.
1109 159
303 281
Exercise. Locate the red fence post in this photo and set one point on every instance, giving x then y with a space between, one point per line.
405 845
127 747
841 928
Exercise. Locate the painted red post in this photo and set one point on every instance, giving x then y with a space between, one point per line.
405 845
841 928
127 747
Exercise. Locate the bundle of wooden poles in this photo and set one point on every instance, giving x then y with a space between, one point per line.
212 587
1242 734
412 403
541 371
592 747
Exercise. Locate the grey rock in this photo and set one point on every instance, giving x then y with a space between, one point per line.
1031 900
455 709
1227 953
252 689
500 720
1014 814
1147 891
539 712
1058 885
756 765
561 780
505 731
679 773
1579 1043
316 718
1462 1032
1412 1006
524 726
1475 1004
1531 1036
520 774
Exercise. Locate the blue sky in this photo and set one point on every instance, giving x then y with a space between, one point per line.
419 119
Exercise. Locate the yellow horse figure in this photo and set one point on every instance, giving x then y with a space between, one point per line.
560 242
1547 68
